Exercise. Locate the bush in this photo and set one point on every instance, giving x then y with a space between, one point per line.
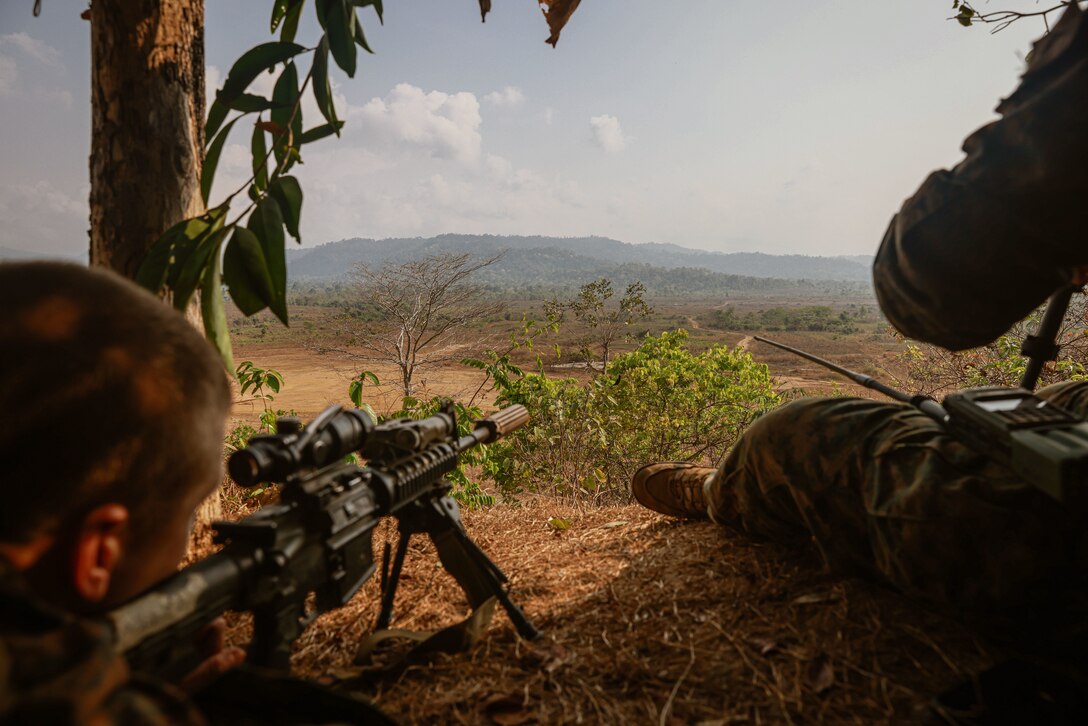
812 318
466 491
660 402
932 370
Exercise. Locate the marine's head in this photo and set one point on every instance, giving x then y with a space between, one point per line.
112 409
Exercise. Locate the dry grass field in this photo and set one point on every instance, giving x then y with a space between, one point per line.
648 620
315 380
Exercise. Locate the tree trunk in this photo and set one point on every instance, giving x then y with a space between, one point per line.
147 124
147 132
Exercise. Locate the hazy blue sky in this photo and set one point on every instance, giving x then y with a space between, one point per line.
733 125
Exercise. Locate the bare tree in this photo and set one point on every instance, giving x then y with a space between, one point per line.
424 305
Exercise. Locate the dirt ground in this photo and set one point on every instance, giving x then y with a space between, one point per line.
650 620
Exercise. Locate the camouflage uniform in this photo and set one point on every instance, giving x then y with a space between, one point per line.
979 247
880 487
56 668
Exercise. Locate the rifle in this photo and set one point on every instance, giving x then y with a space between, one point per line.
317 540
1043 443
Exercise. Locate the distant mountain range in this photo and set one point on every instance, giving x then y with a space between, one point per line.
534 265
550 262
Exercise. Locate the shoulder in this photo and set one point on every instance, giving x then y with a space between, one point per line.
59 668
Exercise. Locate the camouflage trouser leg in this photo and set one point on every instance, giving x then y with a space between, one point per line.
883 490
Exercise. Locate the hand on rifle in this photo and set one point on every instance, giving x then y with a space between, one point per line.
218 659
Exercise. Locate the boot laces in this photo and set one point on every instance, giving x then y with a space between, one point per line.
686 487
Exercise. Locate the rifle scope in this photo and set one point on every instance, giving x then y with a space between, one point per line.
334 434
337 432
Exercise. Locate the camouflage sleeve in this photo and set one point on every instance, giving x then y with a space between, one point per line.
60 670
978 247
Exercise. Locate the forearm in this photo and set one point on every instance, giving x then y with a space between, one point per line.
977 248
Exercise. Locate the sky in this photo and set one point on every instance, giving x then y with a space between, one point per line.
729 125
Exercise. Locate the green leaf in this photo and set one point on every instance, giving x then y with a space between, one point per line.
290 22
288 195
245 272
319 132
288 114
250 65
193 232
259 153
217 114
195 267
322 88
355 389
211 161
360 39
251 103
215 317
340 26
355 393
266 223
377 7
559 523
152 273
279 11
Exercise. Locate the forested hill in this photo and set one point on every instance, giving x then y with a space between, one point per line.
559 261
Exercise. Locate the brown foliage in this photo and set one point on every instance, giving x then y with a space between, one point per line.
557 13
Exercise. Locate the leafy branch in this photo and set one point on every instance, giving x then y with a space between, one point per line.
208 251
246 254
967 15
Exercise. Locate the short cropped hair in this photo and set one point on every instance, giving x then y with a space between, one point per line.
106 395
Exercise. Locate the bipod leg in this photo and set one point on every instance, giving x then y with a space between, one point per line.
474 571
389 583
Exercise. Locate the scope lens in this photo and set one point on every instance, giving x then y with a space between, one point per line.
244 468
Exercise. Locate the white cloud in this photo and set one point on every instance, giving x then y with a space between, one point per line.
213 80
446 125
9 77
608 134
507 97
40 197
36 49
415 163
43 218
356 187
549 115
62 98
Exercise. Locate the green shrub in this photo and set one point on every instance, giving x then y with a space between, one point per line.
660 402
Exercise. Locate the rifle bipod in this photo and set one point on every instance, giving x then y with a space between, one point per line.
478 576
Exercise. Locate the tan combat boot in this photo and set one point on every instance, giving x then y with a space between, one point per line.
673 487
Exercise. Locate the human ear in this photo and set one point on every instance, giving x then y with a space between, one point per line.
97 550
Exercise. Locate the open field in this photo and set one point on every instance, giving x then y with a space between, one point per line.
314 380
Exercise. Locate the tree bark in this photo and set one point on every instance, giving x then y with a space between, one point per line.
147 133
147 124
